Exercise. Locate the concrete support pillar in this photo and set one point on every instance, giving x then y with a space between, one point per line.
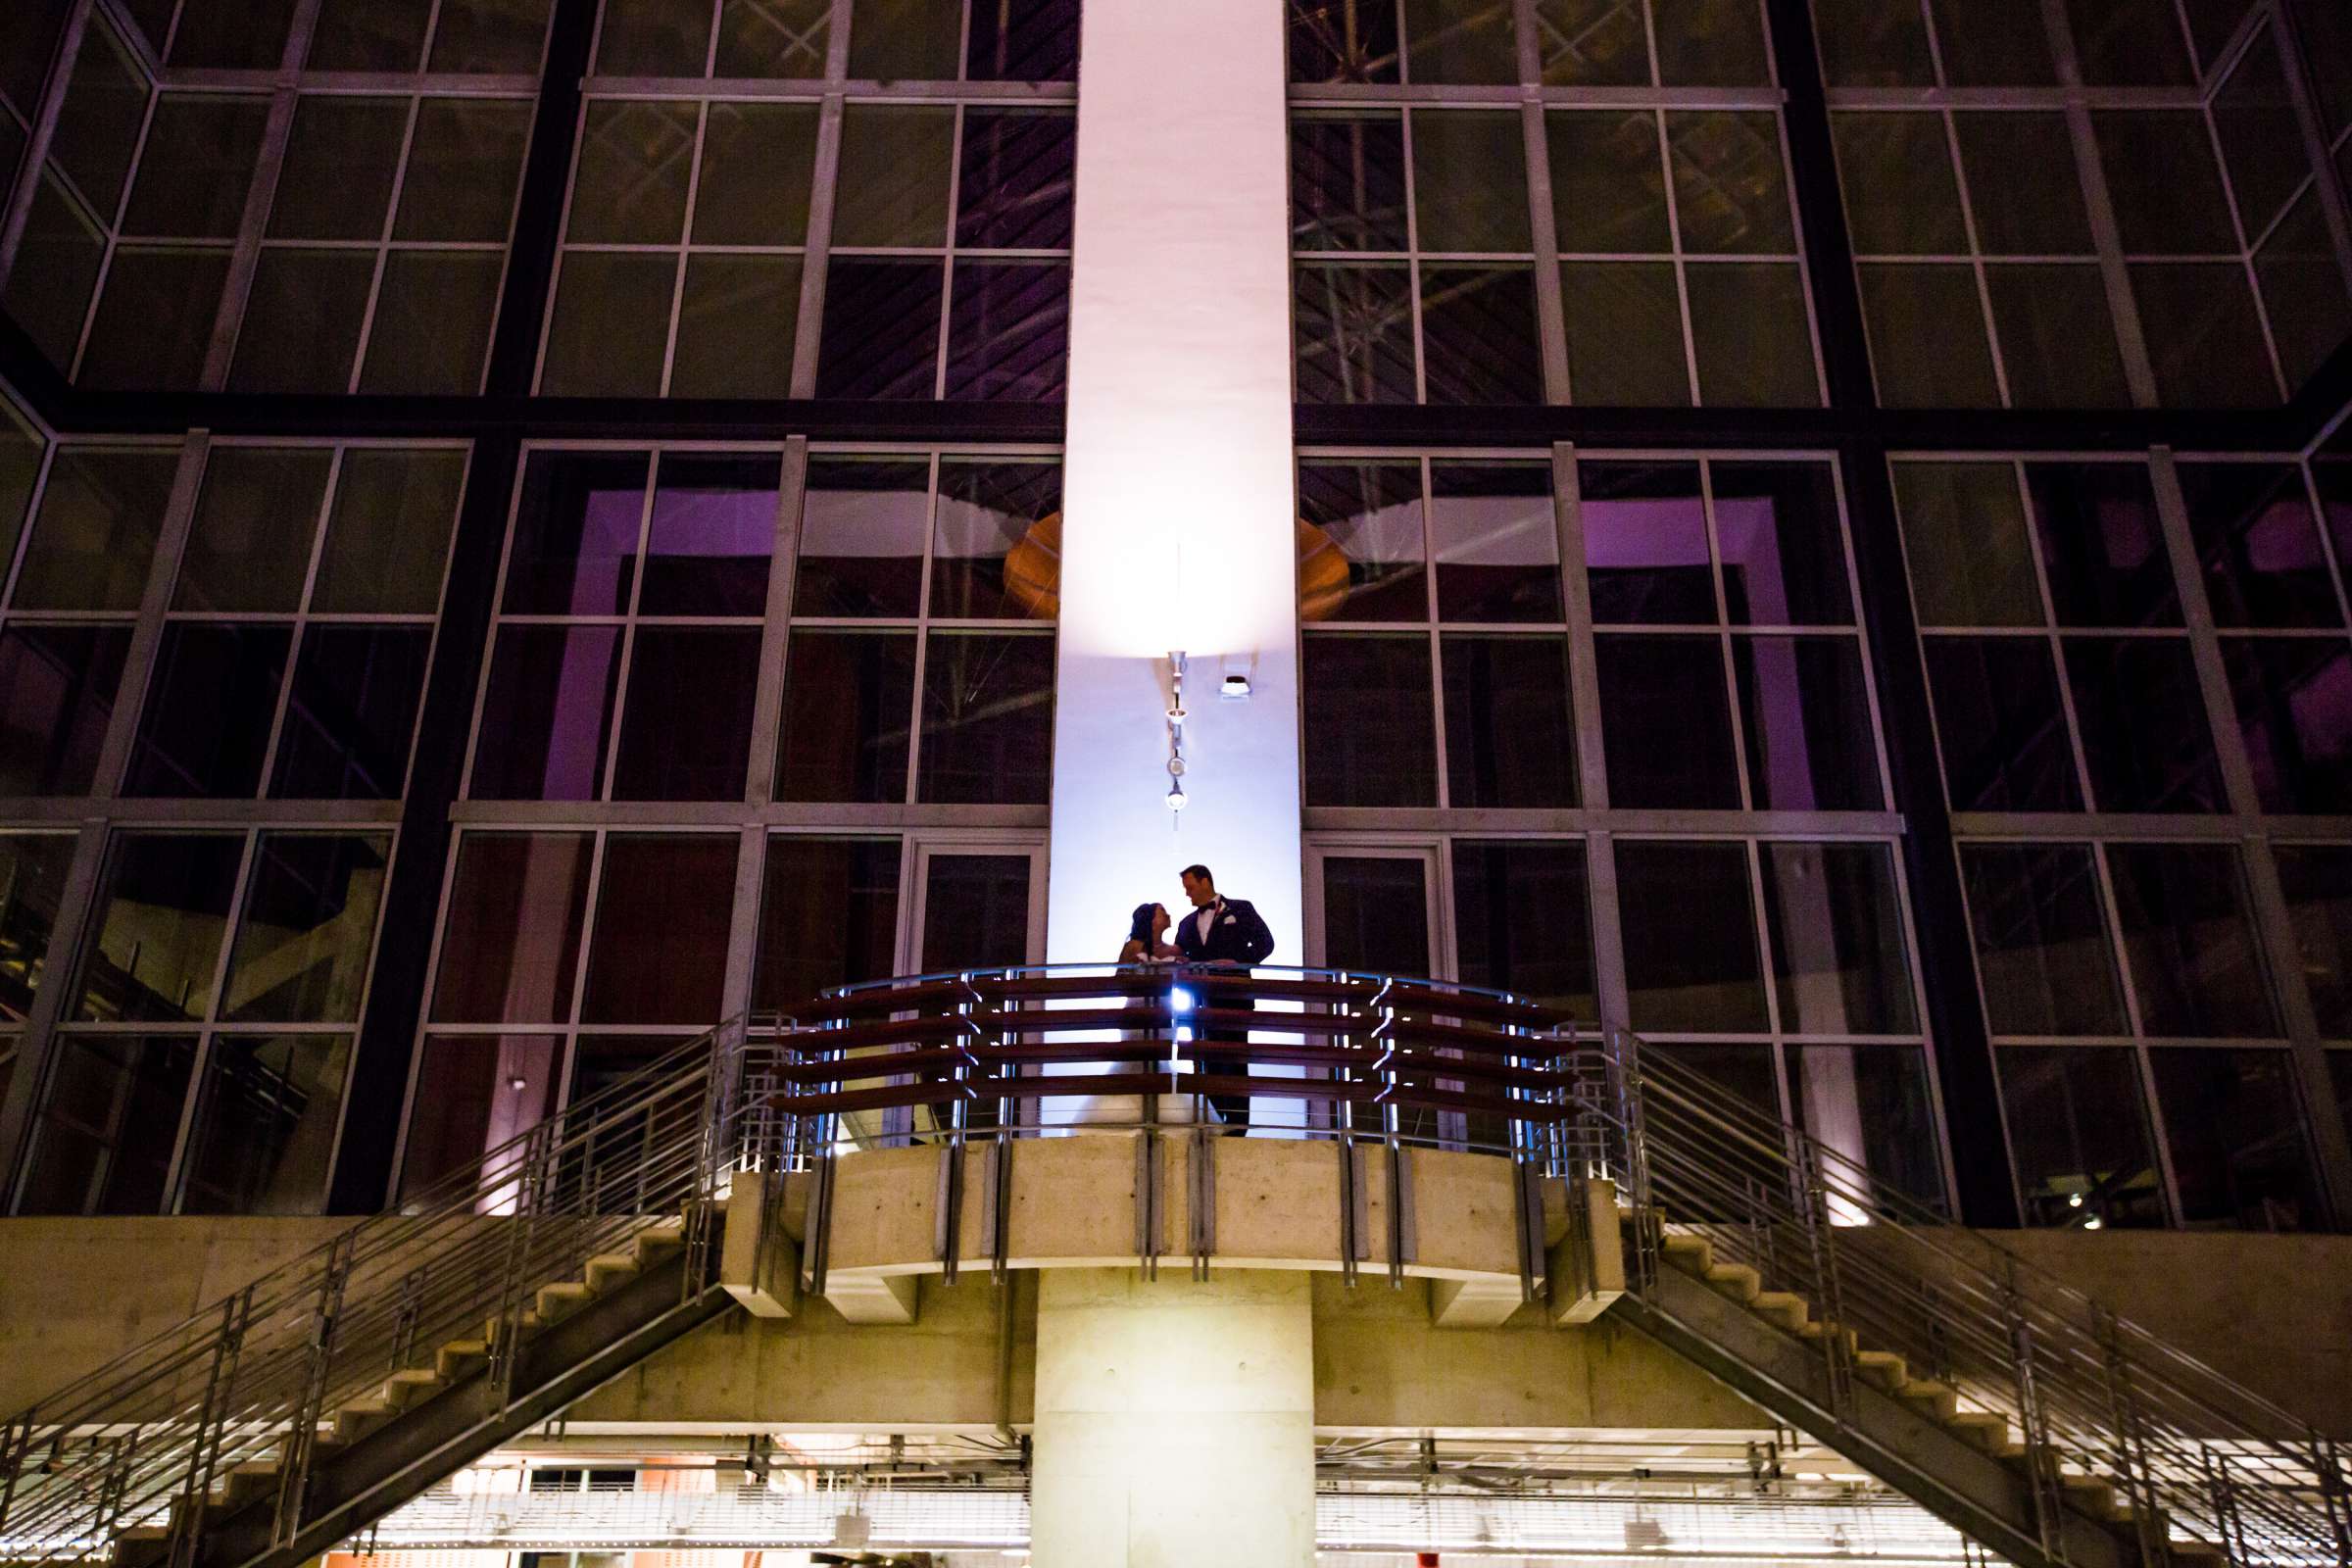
1174 1421
1179 512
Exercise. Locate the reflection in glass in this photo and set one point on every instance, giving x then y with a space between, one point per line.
510 941
828 916
848 709
862 538
1469 180
309 926
1646 556
881 328
1342 40
1710 43
713 533
759 163
547 713
1509 740
630 187
988 719
108 1122
59 686
1460 41
991 515
33 879
210 709
904 41
2042 940
1522 921
1873 1105
2317 882
2294 711
1479 342
1367 515
2259 543
1839 961
265 1122
2234 1128
1016 189
2142 716
1023 41
1009 332
1783 553
1355 334
662 912
248 545
1666 726
2021 182
1496 542
1370 721
686 734
2189 937
574 550
892 189
1608 183
475 1093
1592 43
1806 710
2079 1131
165 911
1348 183
2001 725
1690 962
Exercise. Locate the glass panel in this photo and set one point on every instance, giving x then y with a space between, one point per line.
1376 913
510 940
2189 937
635 159
1342 40
248 545
714 530
2057 338
828 916
1497 543
1522 922
1625 333
1806 711
32 881
2317 881
1470 181
893 185
1509 738
849 705
1666 725
2164 183
1348 183
1985 47
233 37
611 330
464 166
2024 189
111 1116
2304 291
1753 339
1783 553
2001 725
976 911
21 455
2236 1131
490 35
1479 342
759 161
574 550
1729 195
1874 1105
881 329
1460 41
1901 197
988 719
994 551
210 709
381 35
1646 557
1359 543
909 40
266 1124
49 289
2142 718
1839 959
1592 43
862 538
95 532
303 319
2254 117
653 37
2079 1131
475 1093
164 912
2129 43
2102 544
1355 327
28 37
2294 711
198 163
1371 729
547 713
2042 940
772 37
309 927
341 162
352 714
1023 41
687 732
387 539
2204 334
98 124
1746 1072
1926 337
1690 933
1710 43
60 684
1008 337
1865 43
738 319
662 913
1964 533
1016 191
431 331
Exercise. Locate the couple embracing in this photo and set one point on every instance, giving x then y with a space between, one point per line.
1218 933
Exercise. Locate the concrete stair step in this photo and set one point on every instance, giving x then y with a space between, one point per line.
1784 1309
1938 1401
1883 1368
2094 1495
609 1269
1736 1281
250 1482
460 1357
558 1300
1987 1430
361 1417
1694 1254
1818 1330
412 1387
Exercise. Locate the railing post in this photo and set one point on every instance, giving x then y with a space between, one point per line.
302 1428
1821 1246
2129 1441
16 1445
204 1452
2224 1498
530 1186
2041 1462
2335 1497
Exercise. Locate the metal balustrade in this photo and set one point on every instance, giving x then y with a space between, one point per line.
287 1416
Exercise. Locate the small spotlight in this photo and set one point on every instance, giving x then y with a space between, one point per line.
2073 1199
519 1083
2091 1224
1176 798
1237 686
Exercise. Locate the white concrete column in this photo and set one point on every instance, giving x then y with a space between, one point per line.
1179 514
1174 1421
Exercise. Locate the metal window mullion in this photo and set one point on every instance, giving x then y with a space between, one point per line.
818 248
2048 630
775 637
245 257
1584 659
2245 252
146 636
629 626
554 266
1412 245
569 1028
2323 1113
1612 997
1976 243
2287 38
2139 369
299 625
922 646
176 1171
383 252
1674 244
947 294
685 252
2196 610
69 934
1724 638
110 232
43 134
1552 308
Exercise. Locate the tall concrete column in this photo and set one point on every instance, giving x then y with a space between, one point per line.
1174 1421
1178 505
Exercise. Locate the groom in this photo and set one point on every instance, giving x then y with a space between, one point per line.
1226 934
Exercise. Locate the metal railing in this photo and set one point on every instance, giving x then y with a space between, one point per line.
2084 1392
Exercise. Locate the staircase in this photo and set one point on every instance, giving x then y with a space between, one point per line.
2016 1408
276 1424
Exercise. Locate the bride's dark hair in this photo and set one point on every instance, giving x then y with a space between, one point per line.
1139 928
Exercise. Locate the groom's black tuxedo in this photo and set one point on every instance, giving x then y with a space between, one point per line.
1236 933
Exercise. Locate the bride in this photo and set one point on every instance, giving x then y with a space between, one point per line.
1147 937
